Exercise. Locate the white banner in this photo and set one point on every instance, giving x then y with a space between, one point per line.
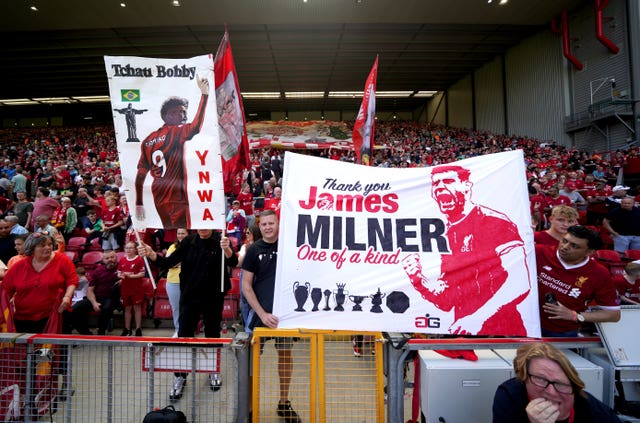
446 249
166 128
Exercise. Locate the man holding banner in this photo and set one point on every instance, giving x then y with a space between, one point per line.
258 287
162 155
473 279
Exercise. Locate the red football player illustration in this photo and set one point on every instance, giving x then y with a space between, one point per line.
162 155
473 279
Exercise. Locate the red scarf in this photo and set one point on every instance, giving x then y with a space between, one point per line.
59 218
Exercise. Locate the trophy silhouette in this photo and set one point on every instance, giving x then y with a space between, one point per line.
340 296
357 300
327 295
376 300
301 293
316 297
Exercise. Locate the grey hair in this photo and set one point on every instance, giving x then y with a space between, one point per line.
35 239
12 219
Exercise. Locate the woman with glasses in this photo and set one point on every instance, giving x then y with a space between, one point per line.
546 389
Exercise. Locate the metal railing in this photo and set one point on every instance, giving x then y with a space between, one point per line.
114 379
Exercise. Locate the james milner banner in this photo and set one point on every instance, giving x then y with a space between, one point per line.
167 135
446 249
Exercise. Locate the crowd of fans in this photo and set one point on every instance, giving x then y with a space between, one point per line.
68 180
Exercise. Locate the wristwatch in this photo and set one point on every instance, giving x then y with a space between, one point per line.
580 317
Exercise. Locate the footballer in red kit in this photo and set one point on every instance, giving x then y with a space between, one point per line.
162 155
473 280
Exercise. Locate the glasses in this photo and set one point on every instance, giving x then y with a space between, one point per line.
563 388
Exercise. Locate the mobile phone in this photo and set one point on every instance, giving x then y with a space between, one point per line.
550 298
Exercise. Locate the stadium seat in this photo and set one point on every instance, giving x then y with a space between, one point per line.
95 245
120 254
614 263
632 254
235 272
235 287
76 244
91 259
161 288
609 256
73 255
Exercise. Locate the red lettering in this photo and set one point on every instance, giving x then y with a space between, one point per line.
202 155
205 196
204 177
422 322
311 202
306 253
372 203
207 215
391 205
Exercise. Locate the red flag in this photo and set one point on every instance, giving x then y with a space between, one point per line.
234 146
365 122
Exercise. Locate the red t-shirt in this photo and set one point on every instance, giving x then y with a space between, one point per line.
246 203
543 238
36 292
110 217
573 286
131 286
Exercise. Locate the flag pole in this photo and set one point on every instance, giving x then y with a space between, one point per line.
146 260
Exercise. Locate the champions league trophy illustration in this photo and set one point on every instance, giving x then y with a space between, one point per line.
357 300
301 293
327 295
340 296
316 297
376 300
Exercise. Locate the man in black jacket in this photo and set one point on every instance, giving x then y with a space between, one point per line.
201 291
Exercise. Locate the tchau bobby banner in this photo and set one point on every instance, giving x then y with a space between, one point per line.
166 128
445 249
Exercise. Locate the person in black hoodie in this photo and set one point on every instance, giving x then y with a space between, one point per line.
546 389
201 291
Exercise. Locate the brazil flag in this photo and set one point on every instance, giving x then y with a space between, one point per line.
130 95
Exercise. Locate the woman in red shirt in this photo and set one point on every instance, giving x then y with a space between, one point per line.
38 282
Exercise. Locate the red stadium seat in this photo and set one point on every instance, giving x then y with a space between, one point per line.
91 259
76 243
95 245
632 254
235 287
608 256
73 255
161 288
235 272
614 263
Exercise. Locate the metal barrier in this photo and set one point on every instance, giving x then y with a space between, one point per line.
114 379
328 382
399 347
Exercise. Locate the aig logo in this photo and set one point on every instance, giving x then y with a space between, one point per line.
427 322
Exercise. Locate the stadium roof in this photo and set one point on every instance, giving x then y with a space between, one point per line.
281 46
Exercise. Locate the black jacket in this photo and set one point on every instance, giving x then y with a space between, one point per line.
200 268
